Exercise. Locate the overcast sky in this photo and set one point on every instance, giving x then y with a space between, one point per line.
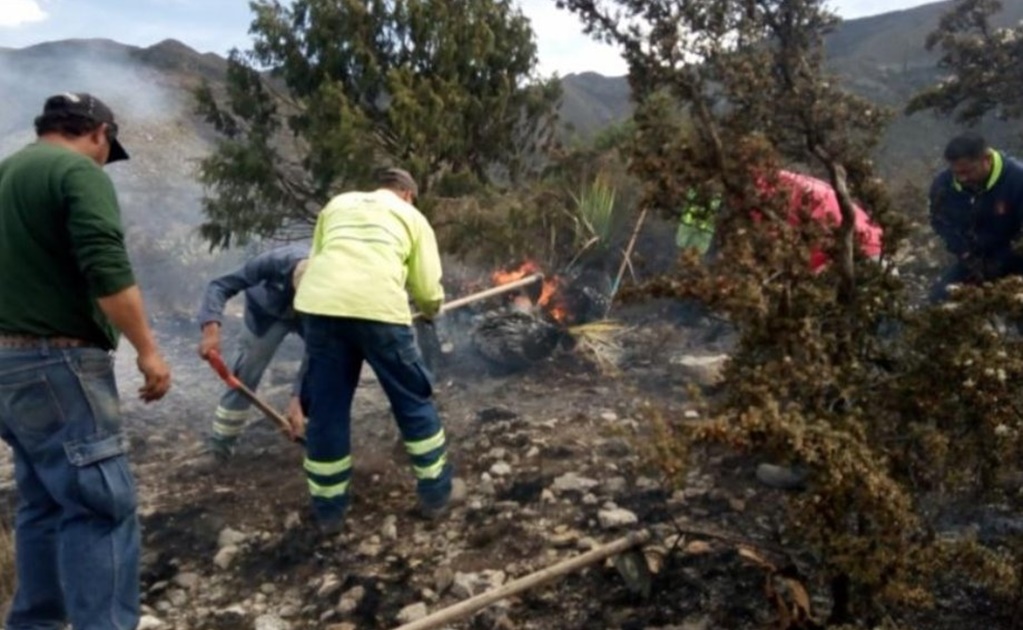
218 25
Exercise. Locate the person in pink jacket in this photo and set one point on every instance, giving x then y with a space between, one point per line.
806 195
816 197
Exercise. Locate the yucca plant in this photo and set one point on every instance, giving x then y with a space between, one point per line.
594 215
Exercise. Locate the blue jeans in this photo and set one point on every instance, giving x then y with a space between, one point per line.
76 530
253 357
336 348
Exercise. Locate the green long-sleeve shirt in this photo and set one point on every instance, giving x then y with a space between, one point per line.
368 248
61 245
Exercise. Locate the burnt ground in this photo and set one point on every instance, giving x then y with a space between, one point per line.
551 460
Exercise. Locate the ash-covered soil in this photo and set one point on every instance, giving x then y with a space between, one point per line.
552 460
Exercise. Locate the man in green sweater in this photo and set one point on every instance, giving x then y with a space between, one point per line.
68 292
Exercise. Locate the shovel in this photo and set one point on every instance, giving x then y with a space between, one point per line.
218 365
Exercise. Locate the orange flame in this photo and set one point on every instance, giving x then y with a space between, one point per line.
548 294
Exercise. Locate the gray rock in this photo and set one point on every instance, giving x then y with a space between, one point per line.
187 581
149 622
615 485
225 557
618 517
330 585
467 585
229 537
389 530
442 579
177 597
501 469
412 612
703 370
270 622
350 600
571 482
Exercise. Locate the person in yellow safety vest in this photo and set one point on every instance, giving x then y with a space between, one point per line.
368 249
696 225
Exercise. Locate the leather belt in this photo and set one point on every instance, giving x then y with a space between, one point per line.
29 341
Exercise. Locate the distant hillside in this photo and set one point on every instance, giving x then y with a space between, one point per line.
591 102
148 91
882 58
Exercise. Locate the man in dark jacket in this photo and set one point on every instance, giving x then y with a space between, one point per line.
976 207
268 281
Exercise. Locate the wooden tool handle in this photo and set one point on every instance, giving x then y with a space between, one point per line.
486 293
473 604
218 365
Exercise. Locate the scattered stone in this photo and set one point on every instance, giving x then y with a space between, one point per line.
486 486
618 517
608 416
413 612
646 483
590 499
341 626
177 597
571 482
330 585
149 622
615 485
350 600
467 585
187 581
702 370
271 622
370 547
698 547
230 538
389 530
442 579
564 539
226 556
533 452
547 496
691 414
501 469
292 521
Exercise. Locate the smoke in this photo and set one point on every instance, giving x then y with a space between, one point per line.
159 195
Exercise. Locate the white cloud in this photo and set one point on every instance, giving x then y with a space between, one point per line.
17 12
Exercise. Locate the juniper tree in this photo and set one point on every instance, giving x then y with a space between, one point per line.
332 89
983 65
728 92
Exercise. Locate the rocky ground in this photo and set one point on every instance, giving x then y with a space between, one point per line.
551 458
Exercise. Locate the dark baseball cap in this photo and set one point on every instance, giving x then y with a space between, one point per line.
90 107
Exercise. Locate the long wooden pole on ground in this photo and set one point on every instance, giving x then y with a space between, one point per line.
481 601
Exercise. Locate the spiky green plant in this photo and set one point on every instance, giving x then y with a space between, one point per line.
594 214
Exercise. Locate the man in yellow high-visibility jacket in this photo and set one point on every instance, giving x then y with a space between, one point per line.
368 249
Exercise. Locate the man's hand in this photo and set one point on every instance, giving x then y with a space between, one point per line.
210 339
157 375
296 419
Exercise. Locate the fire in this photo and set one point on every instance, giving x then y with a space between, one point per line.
548 299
